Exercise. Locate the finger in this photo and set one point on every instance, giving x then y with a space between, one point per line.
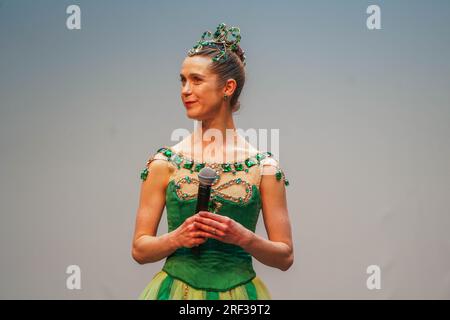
213 216
198 234
210 230
211 222
190 219
205 235
187 223
199 241
194 226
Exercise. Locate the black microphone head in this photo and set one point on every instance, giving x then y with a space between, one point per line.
207 176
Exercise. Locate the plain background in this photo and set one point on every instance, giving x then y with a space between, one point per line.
364 126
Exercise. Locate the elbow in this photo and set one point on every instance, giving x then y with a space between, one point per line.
288 262
287 265
136 256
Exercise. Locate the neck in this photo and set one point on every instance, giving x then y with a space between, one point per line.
209 131
225 127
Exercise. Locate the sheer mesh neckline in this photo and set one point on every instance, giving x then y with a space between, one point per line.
181 161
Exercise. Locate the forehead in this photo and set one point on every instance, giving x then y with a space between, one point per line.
196 64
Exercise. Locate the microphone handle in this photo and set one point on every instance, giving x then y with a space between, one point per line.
204 193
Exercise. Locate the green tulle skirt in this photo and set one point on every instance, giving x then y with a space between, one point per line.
165 287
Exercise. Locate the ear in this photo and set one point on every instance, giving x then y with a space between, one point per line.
230 86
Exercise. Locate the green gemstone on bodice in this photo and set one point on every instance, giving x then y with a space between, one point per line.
226 167
249 163
188 164
144 174
177 159
199 166
278 174
168 153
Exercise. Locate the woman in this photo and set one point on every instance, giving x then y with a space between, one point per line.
209 254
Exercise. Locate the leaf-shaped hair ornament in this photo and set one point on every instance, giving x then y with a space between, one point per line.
224 38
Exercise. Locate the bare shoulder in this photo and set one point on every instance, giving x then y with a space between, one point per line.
159 165
157 170
271 170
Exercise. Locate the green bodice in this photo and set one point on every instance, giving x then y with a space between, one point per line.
214 265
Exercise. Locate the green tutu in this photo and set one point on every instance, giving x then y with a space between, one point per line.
165 287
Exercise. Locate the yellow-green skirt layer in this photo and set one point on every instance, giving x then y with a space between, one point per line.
165 287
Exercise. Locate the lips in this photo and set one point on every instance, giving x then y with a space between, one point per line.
189 103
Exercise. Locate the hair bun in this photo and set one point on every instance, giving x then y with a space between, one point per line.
240 53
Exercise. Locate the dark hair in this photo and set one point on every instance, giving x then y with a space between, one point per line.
230 68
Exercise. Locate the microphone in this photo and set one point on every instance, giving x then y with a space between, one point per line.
206 177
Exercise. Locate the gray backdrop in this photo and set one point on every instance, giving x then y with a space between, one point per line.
363 118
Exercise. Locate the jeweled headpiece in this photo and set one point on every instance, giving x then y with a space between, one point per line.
220 40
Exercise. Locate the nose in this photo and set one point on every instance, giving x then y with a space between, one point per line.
186 88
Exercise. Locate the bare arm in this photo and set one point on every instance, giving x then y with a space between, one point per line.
147 247
277 251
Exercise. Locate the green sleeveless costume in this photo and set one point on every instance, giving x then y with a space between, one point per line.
214 269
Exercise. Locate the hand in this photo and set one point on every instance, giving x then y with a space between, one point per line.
223 228
188 235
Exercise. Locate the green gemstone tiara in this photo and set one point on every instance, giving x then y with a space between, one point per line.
220 40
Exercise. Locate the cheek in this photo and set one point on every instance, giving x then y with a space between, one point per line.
210 93
203 93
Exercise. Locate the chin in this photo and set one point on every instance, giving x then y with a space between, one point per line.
194 114
191 117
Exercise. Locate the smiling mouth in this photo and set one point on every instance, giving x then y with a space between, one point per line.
189 102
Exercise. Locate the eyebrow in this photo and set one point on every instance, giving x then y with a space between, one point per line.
193 75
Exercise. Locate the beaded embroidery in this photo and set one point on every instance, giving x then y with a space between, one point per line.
215 191
180 161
